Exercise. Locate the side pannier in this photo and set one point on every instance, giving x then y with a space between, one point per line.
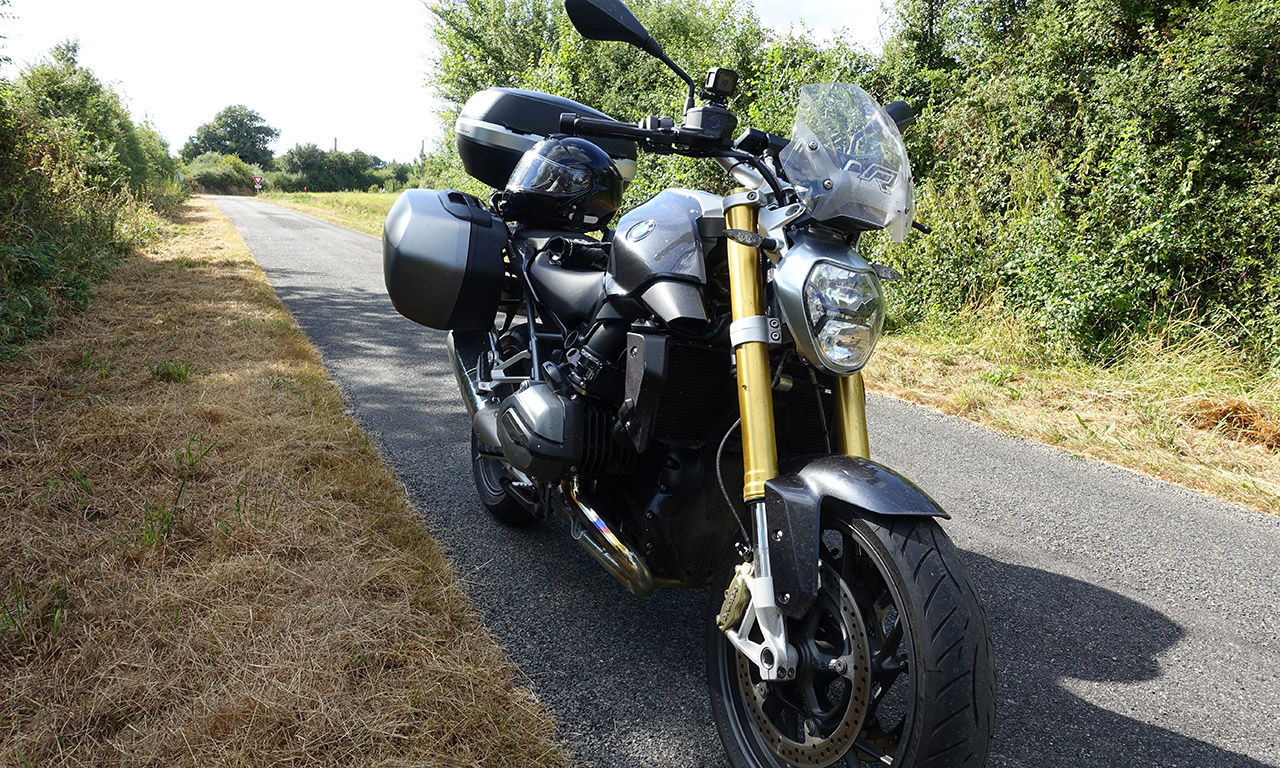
442 253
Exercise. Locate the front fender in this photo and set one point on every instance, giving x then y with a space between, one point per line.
847 486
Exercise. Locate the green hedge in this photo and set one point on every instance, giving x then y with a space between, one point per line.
222 174
1104 170
78 185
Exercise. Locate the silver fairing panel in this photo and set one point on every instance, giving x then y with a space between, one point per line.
661 239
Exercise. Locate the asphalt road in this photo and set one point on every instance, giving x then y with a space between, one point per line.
1135 624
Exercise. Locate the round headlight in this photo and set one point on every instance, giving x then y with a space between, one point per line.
845 309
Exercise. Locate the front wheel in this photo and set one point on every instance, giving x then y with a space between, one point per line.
897 606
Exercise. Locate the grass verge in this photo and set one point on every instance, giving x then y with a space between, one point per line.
203 561
362 211
1193 413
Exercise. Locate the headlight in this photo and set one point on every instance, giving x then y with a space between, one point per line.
845 310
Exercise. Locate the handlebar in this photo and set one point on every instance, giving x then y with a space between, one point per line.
666 140
680 140
576 125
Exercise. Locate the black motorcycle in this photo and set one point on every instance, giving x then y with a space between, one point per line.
627 382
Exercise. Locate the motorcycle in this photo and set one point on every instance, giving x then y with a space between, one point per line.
625 381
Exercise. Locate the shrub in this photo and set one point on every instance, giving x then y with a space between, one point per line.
284 181
221 174
1105 170
62 232
78 185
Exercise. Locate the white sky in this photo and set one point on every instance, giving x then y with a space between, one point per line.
318 70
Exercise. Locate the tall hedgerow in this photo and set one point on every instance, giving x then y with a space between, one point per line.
77 182
1104 170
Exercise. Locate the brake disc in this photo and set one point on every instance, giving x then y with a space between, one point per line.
767 703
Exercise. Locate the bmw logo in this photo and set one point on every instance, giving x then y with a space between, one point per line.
641 231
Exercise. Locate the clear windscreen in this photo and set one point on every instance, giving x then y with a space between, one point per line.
847 160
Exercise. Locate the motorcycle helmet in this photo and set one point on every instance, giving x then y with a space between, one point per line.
565 182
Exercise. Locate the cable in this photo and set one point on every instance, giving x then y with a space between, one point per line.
746 537
822 410
765 171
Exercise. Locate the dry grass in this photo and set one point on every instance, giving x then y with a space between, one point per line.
1190 413
203 561
362 211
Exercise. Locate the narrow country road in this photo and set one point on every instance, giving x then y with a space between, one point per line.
1135 624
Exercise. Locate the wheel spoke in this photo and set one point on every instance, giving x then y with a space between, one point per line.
811 700
790 721
885 682
866 748
893 639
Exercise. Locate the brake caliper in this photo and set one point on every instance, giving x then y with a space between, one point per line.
736 599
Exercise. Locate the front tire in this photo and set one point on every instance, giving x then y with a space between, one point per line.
931 699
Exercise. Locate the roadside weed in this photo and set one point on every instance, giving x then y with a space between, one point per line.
31 612
159 521
173 371
193 452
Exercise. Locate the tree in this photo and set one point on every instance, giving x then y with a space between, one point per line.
236 130
486 43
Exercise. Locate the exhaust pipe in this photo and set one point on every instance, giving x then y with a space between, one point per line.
589 530
469 345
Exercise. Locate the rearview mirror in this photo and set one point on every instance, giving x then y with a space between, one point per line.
610 20
901 114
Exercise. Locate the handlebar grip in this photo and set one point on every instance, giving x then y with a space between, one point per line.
576 125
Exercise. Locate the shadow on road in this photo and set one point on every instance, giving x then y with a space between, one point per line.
360 336
1047 627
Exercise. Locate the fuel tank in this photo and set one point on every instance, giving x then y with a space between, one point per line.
659 254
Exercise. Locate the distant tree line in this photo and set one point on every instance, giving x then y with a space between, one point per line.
306 166
225 154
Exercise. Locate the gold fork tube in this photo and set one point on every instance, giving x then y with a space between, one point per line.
851 415
755 396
